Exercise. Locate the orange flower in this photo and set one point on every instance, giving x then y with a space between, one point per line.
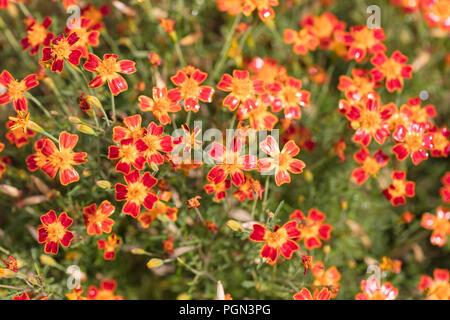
388 264
445 190
312 227
37 34
277 241
105 292
109 245
62 159
193 202
393 69
108 70
302 41
11 264
440 141
437 288
242 89
282 162
156 143
60 49
38 159
362 40
249 190
326 277
440 224
18 132
96 219
407 217
369 165
305 294
87 35
189 82
266 69
76 294
132 129
129 153
160 208
339 148
412 140
264 8
230 163
15 90
413 111
358 86
162 103
436 13
137 192
399 189
154 59
232 7
95 15
289 97
372 290
370 120
167 25
301 135
323 27
54 231
219 189
257 114
168 245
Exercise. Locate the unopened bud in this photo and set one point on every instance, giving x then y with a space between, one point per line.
154 263
309 177
85 129
74 119
104 184
234 225
35 127
93 101
138 251
47 260
326 249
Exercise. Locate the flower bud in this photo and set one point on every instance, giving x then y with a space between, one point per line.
74 119
85 129
138 251
154 263
104 184
234 225
47 260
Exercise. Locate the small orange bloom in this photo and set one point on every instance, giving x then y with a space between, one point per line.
18 133
108 70
249 190
326 277
105 292
160 208
393 69
109 245
193 202
15 90
167 25
412 140
11 264
437 288
266 69
362 41
232 7
388 264
339 148
323 27
37 34
445 190
407 217
219 190
130 153
312 228
157 143
370 165
282 161
95 15
399 189
302 41
305 294
60 49
54 231
132 129
264 8
288 96
440 224
168 245
87 35
440 141
154 59
359 85
97 219
162 103
437 13
277 241
372 290
257 114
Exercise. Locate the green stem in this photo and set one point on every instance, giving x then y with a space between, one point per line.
188 119
39 104
180 54
113 106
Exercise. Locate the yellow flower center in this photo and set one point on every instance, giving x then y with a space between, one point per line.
128 153
242 88
371 166
391 68
190 88
108 68
277 239
55 231
16 89
136 192
370 121
36 35
399 188
414 141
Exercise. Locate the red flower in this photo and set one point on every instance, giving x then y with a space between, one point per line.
358 86
413 111
277 241
393 69
326 277
437 288
230 163
61 49
19 133
11 264
137 192
132 129
372 290
436 13
369 165
96 219
54 231
95 15
289 97
130 154
156 143
264 8
412 140
62 159
440 141
370 120
160 208
445 190
108 70
219 190
23 296
15 90
162 103
37 34
312 227
282 162
257 114
362 40
189 82
105 292
241 88
440 224
305 294
302 41
323 27
109 245
399 189
87 35
249 190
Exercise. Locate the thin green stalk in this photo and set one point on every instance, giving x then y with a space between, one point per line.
180 53
188 119
113 106
39 104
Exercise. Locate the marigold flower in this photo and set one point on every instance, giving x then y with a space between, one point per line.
160 208
407 217
305 294
326 277
130 153
436 13
95 15
76 294
278 241
156 143
11 264
37 34
242 89
440 141
97 219
105 292
154 59
168 245
388 264
307 263
445 190
370 120
60 49
162 103
439 223
249 190
317 74
393 69
54 231
436 288
219 190
312 227
19 133
412 140
266 69
62 159
257 114
264 8
301 135
230 163
289 97
137 192
323 27
282 161
372 290
23 296
15 90
232 7
362 41
370 165
108 70
109 245
339 148
87 35
167 25
209 225
38 159
358 86
302 41
132 129
399 189
190 89
189 140
413 111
